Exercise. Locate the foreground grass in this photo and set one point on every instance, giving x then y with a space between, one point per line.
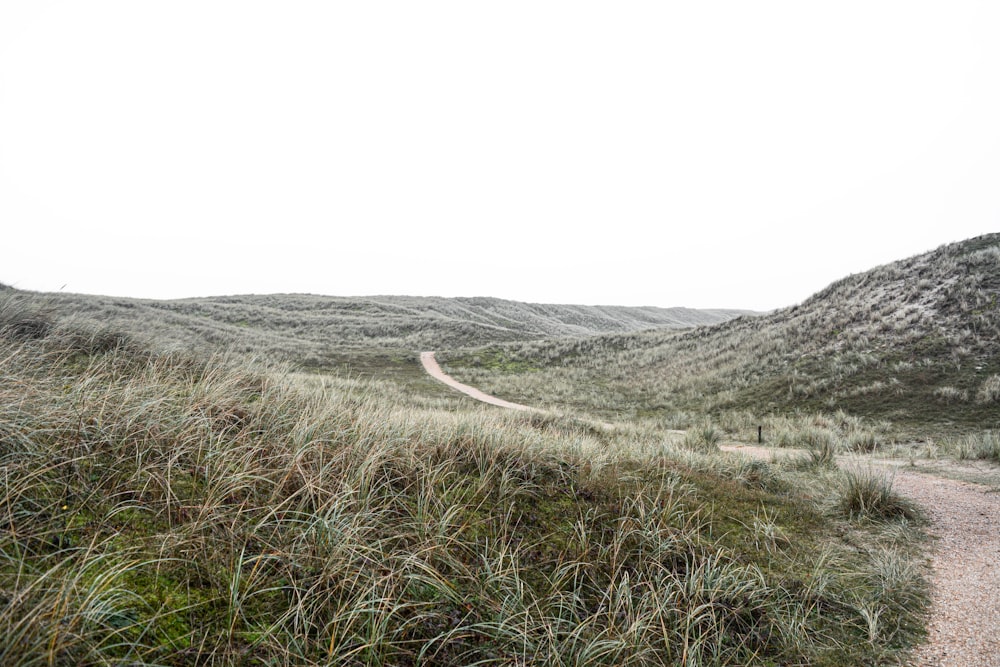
161 510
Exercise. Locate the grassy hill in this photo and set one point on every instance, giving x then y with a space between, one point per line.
158 508
916 342
364 333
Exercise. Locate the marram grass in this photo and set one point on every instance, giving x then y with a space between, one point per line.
915 342
160 510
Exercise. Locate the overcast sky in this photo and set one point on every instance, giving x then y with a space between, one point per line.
704 154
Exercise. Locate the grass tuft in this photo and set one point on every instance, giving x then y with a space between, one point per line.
21 321
704 437
867 494
989 390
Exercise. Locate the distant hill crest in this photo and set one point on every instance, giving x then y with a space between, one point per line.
915 340
307 326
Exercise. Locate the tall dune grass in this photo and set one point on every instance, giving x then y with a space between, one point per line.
914 342
156 509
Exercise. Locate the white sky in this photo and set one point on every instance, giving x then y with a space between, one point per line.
707 154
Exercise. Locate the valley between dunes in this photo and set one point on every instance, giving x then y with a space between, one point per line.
964 626
285 480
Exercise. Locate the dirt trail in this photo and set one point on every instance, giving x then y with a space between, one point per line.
434 370
965 610
964 630
964 627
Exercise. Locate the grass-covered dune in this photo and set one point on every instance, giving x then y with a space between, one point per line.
160 509
916 342
327 331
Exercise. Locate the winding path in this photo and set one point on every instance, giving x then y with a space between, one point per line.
434 370
964 627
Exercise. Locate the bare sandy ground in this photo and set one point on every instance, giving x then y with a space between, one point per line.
964 630
965 609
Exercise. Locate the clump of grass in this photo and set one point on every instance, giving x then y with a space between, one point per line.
795 436
949 395
704 437
72 606
817 438
862 442
23 321
984 445
891 587
989 390
820 444
823 453
756 474
867 494
767 534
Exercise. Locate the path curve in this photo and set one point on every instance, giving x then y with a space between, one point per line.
964 630
434 370
964 624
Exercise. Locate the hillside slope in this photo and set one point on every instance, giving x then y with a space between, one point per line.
309 328
167 510
912 341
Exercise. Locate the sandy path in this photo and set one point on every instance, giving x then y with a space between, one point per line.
964 627
964 630
965 609
434 370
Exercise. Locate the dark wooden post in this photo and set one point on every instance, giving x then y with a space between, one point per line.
760 434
